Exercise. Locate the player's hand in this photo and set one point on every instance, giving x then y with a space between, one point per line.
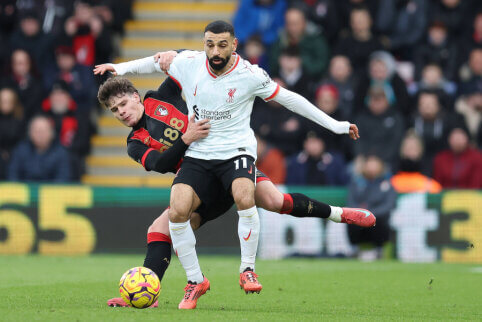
196 130
101 69
164 59
354 132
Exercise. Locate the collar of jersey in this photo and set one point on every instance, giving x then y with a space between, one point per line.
227 72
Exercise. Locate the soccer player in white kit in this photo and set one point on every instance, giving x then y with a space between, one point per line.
221 86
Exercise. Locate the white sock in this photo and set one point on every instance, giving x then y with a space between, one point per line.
335 214
184 244
248 232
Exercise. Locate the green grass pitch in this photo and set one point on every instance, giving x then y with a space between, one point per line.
36 288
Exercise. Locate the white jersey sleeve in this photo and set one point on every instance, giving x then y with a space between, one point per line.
264 86
181 66
145 65
300 105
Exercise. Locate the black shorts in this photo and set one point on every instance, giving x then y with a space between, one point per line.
212 179
198 173
224 203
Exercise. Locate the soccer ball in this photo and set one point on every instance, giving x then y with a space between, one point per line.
139 287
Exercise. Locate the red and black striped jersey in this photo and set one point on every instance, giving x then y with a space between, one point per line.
155 140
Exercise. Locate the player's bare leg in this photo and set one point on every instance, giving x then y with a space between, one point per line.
183 201
270 198
248 231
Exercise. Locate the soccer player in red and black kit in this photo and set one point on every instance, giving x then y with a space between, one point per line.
161 133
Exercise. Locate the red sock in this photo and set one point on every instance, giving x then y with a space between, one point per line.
154 236
287 204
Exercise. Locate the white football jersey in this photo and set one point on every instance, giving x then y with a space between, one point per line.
226 100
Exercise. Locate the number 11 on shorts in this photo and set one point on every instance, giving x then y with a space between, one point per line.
245 163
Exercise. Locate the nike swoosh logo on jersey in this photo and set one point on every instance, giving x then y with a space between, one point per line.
249 235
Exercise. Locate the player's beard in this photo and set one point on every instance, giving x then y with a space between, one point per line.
224 62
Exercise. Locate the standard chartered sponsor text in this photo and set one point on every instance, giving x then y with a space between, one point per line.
215 115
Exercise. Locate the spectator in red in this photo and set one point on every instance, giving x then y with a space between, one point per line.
461 165
91 39
271 162
79 78
60 107
71 128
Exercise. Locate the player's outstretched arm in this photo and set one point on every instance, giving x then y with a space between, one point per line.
145 65
103 68
300 105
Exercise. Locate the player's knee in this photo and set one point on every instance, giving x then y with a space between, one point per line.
244 200
177 216
243 196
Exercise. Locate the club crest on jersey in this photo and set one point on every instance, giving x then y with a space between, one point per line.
231 92
161 111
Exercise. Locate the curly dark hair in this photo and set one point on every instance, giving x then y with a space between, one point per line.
115 86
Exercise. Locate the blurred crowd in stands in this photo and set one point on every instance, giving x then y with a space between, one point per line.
407 72
47 89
